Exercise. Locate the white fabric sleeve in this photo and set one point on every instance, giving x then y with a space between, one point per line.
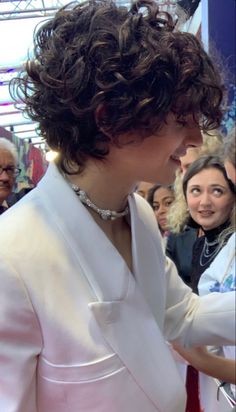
20 343
194 320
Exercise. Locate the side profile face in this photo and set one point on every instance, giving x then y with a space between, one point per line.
209 198
7 179
157 157
162 199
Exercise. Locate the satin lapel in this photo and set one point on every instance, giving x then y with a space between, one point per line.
131 330
125 319
102 265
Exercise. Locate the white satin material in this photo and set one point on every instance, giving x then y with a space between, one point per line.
80 332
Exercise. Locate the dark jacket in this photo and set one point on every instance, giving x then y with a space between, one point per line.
179 249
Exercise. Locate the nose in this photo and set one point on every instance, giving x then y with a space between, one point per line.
4 176
162 210
205 199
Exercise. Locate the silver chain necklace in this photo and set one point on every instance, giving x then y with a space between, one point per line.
205 253
105 214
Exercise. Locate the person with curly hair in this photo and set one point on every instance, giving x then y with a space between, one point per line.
182 236
87 297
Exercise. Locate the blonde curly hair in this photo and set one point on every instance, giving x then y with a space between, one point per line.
178 214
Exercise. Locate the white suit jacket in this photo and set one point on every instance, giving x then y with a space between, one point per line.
80 332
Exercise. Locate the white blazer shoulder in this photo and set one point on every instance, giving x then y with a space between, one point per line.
80 332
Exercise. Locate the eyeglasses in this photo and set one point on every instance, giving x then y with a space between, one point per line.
10 170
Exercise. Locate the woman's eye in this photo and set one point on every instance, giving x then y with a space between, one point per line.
168 203
155 208
217 191
195 191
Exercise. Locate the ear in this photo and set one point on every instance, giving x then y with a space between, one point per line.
100 116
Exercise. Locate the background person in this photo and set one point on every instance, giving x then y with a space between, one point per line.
182 236
8 171
210 199
218 277
160 198
143 189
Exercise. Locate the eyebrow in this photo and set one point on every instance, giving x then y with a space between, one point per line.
164 198
211 185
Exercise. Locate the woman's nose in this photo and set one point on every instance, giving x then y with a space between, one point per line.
205 199
162 210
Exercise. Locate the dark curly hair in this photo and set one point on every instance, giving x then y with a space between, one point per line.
100 70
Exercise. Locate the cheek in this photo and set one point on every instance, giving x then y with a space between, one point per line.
226 206
192 203
156 213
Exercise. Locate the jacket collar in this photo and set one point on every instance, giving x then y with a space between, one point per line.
129 308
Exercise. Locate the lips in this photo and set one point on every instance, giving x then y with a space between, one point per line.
206 213
4 187
163 222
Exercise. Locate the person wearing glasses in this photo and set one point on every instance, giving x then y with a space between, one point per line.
8 171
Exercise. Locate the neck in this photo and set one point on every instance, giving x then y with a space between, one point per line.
216 231
105 188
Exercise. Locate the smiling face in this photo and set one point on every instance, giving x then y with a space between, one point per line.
209 198
6 181
162 199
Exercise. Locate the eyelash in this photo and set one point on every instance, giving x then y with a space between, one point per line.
195 190
218 190
166 204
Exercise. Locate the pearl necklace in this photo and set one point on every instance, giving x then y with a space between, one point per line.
105 214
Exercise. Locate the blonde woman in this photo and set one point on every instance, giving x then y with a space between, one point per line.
182 237
218 277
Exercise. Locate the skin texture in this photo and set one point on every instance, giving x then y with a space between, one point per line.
191 155
143 189
6 181
162 199
208 363
231 171
156 158
209 198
